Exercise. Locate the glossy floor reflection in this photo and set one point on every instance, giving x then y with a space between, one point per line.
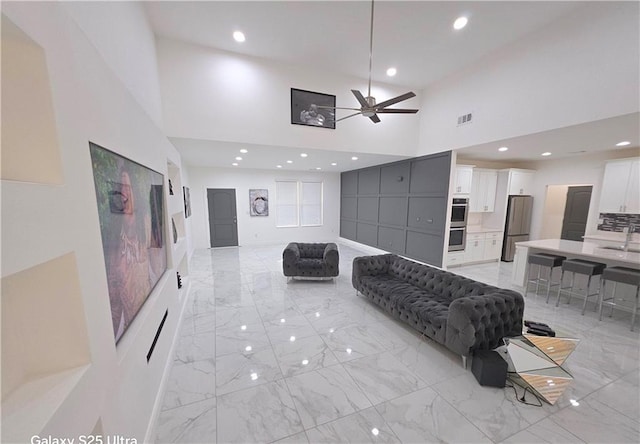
260 359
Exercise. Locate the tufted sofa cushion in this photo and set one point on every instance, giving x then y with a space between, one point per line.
311 260
461 313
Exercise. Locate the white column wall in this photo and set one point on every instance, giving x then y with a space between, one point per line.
118 392
261 230
121 33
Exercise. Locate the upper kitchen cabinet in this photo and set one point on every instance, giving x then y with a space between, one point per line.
621 187
483 191
521 182
464 174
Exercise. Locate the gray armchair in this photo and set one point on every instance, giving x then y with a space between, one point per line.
311 260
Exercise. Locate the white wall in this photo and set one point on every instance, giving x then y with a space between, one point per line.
261 230
216 95
581 170
41 222
581 68
121 33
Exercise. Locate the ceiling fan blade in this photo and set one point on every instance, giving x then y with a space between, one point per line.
397 111
336 107
350 115
360 98
375 118
395 100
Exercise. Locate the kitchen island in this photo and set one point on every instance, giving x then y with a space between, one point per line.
590 251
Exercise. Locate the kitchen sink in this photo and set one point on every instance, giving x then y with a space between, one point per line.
621 248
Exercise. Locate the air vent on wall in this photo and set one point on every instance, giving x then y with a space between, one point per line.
464 119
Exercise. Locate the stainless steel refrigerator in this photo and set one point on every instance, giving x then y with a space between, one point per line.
517 225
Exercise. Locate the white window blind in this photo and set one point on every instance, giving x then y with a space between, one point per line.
311 204
286 203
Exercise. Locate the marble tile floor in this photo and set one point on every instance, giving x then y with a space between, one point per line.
260 359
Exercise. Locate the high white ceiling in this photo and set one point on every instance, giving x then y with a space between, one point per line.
416 37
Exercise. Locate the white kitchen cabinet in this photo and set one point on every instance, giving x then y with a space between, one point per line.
621 187
464 174
521 182
474 248
455 258
492 246
483 191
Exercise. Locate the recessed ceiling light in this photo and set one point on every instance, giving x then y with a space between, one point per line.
235 164
238 36
303 154
503 148
460 23
289 161
333 164
354 158
278 166
244 151
318 168
392 72
546 154
238 158
624 143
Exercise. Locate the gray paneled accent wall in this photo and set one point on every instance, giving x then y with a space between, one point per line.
399 207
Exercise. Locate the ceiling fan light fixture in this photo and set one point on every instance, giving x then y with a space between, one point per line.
460 23
368 106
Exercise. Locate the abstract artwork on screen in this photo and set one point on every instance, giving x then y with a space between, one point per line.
131 214
259 202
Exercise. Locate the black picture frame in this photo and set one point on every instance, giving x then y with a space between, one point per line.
303 101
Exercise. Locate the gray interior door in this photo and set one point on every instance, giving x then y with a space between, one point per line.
223 220
576 211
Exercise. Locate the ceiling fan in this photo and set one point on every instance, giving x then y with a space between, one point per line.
368 106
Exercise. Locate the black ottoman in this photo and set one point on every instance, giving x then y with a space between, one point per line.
489 368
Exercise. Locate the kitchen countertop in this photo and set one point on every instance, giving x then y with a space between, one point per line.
586 249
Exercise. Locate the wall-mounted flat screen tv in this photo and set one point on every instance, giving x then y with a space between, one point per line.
131 213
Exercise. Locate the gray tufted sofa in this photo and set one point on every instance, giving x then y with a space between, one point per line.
310 260
463 314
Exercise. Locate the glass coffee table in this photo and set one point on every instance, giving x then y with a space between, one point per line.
536 362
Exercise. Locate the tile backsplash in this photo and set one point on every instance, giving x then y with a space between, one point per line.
616 222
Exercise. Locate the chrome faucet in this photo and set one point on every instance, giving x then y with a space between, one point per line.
630 230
